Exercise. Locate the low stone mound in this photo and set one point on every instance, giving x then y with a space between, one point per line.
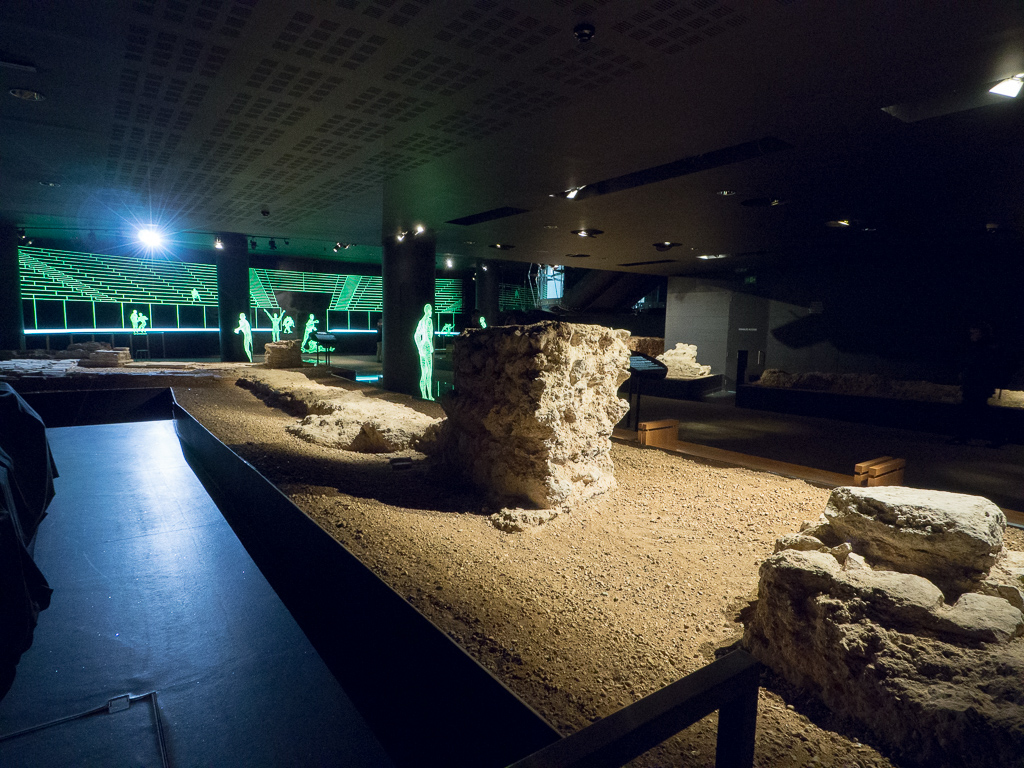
899 608
865 384
682 362
345 419
118 357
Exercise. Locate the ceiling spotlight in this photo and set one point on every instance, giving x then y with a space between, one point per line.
588 232
150 238
1009 87
21 235
252 244
26 95
420 229
727 192
449 262
338 246
272 244
838 223
666 245
49 183
777 201
401 236
570 193
218 244
470 242
483 267
712 256
502 246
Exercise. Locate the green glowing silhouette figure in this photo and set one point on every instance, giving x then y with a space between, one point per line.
447 327
287 325
139 321
246 331
483 321
195 294
424 338
309 343
275 324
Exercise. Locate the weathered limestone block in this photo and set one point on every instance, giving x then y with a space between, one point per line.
107 358
1006 579
937 681
533 411
951 538
652 346
682 362
283 354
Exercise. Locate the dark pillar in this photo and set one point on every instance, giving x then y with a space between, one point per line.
407 273
12 319
487 280
232 294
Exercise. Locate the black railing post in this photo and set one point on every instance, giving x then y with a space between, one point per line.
737 726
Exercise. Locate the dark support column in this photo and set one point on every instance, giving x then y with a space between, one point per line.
407 273
232 294
12 321
487 281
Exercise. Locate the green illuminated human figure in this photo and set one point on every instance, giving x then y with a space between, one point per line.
287 325
246 331
483 321
139 321
275 324
195 294
309 343
424 338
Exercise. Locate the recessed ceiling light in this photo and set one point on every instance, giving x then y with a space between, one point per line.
1009 87
666 245
501 246
838 223
26 94
777 201
49 183
712 256
761 202
577 255
470 242
588 232
218 244
449 262
483 267
727 192
550 226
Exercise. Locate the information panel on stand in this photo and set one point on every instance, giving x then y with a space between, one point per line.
644 366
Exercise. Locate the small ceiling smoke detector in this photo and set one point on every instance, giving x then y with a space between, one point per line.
584 32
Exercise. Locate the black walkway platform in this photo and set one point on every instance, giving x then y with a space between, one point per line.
153 592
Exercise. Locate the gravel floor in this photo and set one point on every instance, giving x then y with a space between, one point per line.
586 614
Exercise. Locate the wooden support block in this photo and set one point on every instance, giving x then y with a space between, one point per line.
885 470
663 433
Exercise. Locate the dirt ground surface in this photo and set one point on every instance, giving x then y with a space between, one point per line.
586 614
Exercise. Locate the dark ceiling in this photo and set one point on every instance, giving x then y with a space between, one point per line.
353 119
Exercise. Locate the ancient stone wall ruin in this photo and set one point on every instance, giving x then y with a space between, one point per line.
533 411
682 362
899 608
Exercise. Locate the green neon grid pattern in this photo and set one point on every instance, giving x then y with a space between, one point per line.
73 276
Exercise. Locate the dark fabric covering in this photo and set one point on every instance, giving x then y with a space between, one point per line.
26 488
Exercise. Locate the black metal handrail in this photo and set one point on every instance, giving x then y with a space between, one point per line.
729 685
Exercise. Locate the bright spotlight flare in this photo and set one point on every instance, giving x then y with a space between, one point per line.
1009 87
151 238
